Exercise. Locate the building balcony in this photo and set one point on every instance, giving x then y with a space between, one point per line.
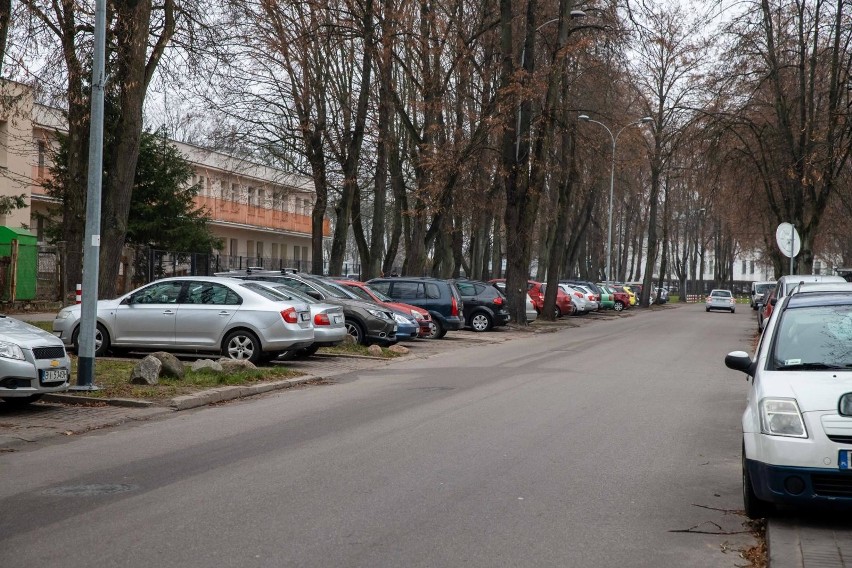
228 211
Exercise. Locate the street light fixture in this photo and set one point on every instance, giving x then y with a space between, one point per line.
614 138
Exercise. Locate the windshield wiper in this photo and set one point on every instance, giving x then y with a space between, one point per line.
809 366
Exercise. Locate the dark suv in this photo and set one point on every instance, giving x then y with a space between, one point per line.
439 297
484 305
366 322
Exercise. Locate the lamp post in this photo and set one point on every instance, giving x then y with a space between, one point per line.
614 139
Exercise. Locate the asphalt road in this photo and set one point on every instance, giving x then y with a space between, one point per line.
616 443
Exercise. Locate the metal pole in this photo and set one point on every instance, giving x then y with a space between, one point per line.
92 240
792 245
609 221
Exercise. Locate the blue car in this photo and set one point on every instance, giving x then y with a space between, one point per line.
406 326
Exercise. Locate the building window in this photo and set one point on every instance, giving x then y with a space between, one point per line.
235 250
817 267
4 142
251 197
275 250
297 254
751 268
744 267
234 189
305 253
42 154
276 201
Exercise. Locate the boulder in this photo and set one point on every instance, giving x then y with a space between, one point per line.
235 365
348 339
401 349
172 367
375 350
206 365
146 371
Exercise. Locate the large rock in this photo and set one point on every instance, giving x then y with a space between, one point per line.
349 339
236 365
172 367
401 349
146 371
374 350
206 365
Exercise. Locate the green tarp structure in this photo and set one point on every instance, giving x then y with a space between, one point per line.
25 266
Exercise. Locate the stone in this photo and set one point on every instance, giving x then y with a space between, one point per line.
401 349
172 367
375 350
235 365
206 365
348 339
146 371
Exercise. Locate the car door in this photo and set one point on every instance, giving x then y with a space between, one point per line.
204 314
147 316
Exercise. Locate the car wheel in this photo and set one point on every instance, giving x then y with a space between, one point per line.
732 310
619 306
21 400
755 508
101 340
437 330
706 309
480 321
354 329
242 345
557 313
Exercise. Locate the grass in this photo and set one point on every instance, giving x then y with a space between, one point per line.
113 378
355 349
45 325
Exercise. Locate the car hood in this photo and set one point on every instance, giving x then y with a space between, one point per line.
355 304
813 390
24 334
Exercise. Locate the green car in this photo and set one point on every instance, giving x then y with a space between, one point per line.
607 301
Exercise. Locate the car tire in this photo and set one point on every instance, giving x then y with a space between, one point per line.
18 401
732 310
755 508
619 306
242 345
557 313
354 329
706 309
102 341
480 321
438 330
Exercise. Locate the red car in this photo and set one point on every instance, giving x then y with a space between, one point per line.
424 319
764 313
536 290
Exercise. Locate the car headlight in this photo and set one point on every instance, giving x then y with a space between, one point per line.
401 319
378 313
63 314
416 315
782 417
10 351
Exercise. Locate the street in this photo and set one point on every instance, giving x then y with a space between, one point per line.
610 444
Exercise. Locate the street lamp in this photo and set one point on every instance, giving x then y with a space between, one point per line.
614 139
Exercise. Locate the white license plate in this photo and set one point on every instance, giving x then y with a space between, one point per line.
338 319
306 316
54 375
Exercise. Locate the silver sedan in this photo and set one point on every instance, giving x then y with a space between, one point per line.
209 314
32 362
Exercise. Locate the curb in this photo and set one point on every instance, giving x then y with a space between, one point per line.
76 399
222 394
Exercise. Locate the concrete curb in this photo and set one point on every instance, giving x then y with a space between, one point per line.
76 399
211 396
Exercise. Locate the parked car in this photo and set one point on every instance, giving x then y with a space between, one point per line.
484 305
531 311
591 297
366 322
421 316
757 291
578 299
788 282
721 300
564 306
765 311
328 320
439 297
207 314
621 299
32 362
796 447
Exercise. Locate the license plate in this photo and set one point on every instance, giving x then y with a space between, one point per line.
54 375
844 461
338 319
306 316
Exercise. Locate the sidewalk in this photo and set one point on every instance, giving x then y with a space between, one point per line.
794 543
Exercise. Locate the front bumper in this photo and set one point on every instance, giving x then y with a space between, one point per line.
380 331
800 485
19 378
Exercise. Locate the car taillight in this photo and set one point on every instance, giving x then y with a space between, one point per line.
321 319
579 295
498 301
454 310
290 315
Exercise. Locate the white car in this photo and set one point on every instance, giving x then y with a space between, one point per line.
797 425
32 362
721 300
578 299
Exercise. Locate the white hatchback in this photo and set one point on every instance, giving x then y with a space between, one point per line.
797 425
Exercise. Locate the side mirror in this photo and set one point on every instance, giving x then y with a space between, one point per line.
739 361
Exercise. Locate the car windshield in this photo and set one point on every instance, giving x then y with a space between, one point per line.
721 293
294 293
813 338
761 288
380 295
332 290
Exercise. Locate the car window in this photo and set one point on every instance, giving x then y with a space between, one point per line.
265 291
158 293
212 294
466 288
433 292
383 287
721 293
380 295
811 337
363 294
300 286
408 291
338 290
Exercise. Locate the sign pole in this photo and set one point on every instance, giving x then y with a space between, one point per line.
792 245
